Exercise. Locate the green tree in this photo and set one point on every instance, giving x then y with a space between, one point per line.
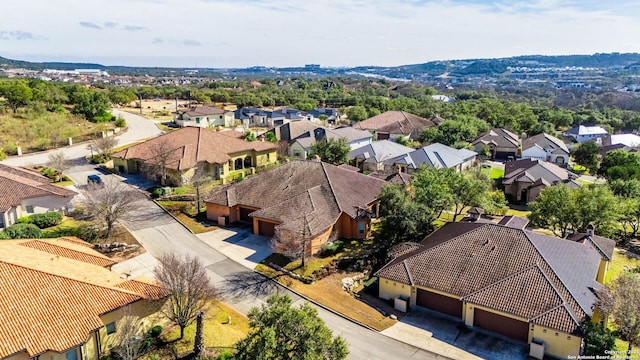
91 104
402 218
332 151
597 339
467 190
554 209
249 135
542 127
586 154
627 188
280 331
16 94
431 188
270 137
620 301
620 164
630 215
357 113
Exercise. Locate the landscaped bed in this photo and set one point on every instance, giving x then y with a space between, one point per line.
185 212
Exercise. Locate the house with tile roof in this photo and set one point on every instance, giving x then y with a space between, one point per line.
309 198
61 301
501 143
435 155
503 279
301 146
393 124
204 116
525 179
24 192
222 155
378 156
545 147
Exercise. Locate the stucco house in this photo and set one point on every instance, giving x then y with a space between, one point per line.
301 146
546 147
394 124
222 155
24 192
60 301
525 179
376 156
435 155
204 116
502 144
583 133
311 199
502 278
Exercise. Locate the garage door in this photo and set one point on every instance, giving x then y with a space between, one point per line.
383 136
441 303
502 325
244 214
266 228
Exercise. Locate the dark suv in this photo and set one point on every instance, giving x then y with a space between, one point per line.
94 179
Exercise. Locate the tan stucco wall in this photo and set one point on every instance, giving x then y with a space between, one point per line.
256 226
348 227
20 356
320 240
556 343
215 210
389 289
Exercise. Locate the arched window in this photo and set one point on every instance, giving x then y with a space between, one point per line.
247 162
238 164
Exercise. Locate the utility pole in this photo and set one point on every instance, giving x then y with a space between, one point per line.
140 96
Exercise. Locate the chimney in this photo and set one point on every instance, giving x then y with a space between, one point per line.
590 229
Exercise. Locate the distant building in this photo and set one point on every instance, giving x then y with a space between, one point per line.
586 133
204 116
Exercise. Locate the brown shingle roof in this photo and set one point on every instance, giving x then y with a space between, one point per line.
287 193
17 184
202 110
498 266
604 245
193 145
500 138
396 122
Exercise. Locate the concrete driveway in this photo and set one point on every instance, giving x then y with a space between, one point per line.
239 244
443 334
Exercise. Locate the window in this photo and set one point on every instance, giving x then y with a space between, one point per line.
71 354
30 209
111 328
361 227
268 157
296 153
197 120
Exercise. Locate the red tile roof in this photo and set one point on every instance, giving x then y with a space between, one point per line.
192 145
52 294
18 184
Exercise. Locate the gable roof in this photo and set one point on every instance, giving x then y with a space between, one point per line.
52 302
498 137
545 141
192 145
202 110
603 245
309 138
535 171
435 155
508 269
288 193
294 129
396 122
630 140
587 130
379 151
17 184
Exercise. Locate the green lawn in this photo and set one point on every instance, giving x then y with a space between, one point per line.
185 212
618 263
493 173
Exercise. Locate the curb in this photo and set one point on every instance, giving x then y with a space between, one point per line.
170 214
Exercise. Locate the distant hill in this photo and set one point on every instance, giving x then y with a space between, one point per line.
451 68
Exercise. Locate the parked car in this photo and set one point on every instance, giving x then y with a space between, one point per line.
94 179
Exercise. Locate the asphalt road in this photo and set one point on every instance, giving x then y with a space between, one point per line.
138 128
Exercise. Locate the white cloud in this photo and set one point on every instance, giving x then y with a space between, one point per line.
329 32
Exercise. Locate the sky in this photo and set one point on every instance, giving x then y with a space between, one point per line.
242 33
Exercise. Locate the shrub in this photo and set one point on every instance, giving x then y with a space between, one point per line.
104 117
332 248
11 148
23 231
23 220
2 155
4 235
155 331
157 193
121 122
46 220
87 232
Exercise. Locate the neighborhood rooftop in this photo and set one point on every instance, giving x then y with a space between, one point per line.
17 184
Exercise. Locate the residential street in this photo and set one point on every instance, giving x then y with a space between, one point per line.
138 128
